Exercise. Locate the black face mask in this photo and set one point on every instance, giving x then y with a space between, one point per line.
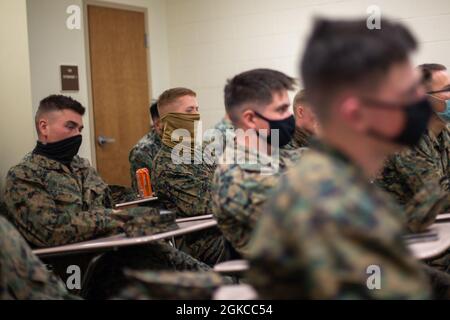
417 116
62 151
285 127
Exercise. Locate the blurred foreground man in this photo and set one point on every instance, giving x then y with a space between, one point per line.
328 233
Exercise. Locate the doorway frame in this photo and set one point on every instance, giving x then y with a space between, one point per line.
113 5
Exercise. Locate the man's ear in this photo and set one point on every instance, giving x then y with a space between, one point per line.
43 127
299 112
248 119
350 111
157 125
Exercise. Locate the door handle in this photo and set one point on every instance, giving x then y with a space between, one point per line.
104 140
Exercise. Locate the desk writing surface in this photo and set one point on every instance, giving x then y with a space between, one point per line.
121 240
432 249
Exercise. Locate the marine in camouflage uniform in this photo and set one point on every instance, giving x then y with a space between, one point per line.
186 190
324 226
419 179
143 153
241 189
22 275
166 285
53 205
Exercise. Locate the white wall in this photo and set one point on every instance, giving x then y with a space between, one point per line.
16 124
52 45
212 40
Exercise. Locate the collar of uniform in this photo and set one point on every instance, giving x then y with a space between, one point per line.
444 135
302 137
251 159
333 152
154 135
50 164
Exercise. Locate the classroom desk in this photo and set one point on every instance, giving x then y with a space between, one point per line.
431 249
442 218
235 292
232 267
117 241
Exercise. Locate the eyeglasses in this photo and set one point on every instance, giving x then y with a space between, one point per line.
447 89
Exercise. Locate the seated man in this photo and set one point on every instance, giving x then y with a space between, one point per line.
306 125
255 100
143 153
419 177
327 232
182 177
54 198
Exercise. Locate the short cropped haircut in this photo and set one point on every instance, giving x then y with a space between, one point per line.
300 99
345 54
170 96
154 111
427 70
254 86
57 103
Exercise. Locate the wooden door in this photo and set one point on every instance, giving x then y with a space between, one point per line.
120 87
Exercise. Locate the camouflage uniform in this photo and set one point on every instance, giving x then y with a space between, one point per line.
325 225
217 146
143 153
172 285
224 125
240 191
419 179
301 139
53 205
186 190
22 274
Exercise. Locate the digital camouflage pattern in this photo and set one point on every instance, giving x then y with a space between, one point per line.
147 223
217 144
22 274
240 191
300 139
172 285
143 153
323 228
53 205
183 188
419 180
186 190
224 125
